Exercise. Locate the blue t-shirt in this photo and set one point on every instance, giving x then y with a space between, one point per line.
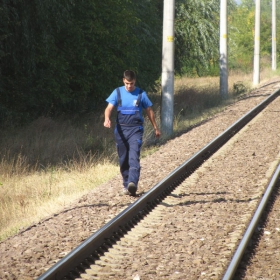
129 99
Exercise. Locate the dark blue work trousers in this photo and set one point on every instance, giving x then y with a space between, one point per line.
129 141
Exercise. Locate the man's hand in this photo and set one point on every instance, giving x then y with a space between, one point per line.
107 123
157 133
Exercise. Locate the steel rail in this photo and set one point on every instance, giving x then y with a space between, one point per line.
99 242
251 228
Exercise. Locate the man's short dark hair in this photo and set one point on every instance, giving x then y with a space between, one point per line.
129 75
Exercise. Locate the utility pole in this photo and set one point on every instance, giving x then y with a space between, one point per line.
167 76
274 65
256 77
223 49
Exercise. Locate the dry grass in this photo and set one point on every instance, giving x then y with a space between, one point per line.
47 165
27 198
50 163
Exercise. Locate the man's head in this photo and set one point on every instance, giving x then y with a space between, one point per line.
129 79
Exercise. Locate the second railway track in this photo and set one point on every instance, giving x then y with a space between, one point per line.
196 228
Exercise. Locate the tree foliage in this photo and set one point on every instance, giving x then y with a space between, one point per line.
149 34
197 35
242 30
67 56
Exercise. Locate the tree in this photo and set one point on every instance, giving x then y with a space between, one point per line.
242 27
241 36
149 35
67 56
196 35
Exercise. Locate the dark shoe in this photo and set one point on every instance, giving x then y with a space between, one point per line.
132 188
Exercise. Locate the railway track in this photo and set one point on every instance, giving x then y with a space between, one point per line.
197 224
124 246
256 228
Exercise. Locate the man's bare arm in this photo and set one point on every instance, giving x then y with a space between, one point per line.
107 114
151 116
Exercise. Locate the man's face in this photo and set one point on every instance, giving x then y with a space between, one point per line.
129 86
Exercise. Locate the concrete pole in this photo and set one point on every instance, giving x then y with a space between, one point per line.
167 76
223 49
256 77
274 64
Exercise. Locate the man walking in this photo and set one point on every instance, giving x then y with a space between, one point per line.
129 100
